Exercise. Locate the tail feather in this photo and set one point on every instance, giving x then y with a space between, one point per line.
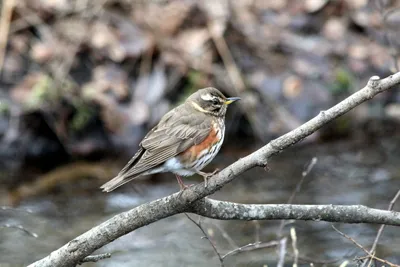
125 175
117 182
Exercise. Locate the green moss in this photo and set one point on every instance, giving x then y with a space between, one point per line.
47 92
84 113
40 93
342 83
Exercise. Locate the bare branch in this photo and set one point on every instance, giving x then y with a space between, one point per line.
383 225
223 210
248 247
251 246
380 231
304 174
364 249
82 246
282 252
198 224
227 237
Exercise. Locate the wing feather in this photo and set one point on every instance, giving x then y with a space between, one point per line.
177 131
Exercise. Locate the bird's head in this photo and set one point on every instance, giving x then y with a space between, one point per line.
210 101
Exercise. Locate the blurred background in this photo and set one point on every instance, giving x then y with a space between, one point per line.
83 81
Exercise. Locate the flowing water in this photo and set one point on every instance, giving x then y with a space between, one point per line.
361 172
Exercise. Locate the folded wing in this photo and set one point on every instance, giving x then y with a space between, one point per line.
177 131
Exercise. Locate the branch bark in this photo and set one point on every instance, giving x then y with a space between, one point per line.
82 246
223 210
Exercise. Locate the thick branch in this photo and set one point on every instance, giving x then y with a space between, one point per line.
223 210
121 224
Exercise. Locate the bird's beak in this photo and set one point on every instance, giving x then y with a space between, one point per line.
230 100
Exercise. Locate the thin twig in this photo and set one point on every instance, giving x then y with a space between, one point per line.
305 172
371 259
282 252
198 224
21 228
248 247
251 246
383 225
364 249
227 237
95 258
293 236
380 231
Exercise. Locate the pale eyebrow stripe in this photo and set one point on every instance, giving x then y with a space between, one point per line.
196 106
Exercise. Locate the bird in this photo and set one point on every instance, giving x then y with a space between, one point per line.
184 141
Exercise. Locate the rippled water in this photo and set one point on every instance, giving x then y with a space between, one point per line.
364 173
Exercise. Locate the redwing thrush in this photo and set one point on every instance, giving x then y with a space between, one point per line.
185 140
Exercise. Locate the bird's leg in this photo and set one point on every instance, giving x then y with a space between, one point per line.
180 182
206 175
181 185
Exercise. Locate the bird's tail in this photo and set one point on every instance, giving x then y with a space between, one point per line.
117 182
128 173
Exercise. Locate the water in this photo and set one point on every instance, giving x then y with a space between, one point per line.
346 173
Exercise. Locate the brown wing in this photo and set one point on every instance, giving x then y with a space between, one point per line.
177 131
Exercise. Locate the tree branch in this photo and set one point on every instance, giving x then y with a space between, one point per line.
80 247
223 210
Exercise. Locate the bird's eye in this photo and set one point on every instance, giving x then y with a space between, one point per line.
215 101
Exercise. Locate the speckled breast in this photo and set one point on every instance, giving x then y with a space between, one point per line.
198 156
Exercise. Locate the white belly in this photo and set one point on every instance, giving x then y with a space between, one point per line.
175 166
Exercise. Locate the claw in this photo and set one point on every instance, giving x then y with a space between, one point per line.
206 176
182 186
180 182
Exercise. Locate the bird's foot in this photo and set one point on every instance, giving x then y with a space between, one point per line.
182 186
207 175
